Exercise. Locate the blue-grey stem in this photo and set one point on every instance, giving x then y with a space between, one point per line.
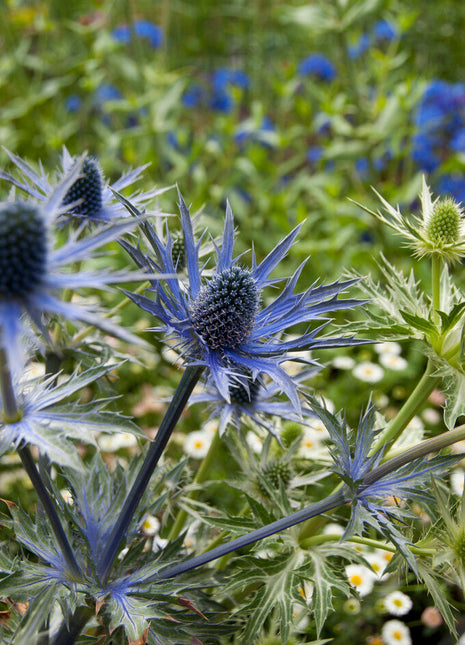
46 501
11 413
177 405
70 630
323 506
333 501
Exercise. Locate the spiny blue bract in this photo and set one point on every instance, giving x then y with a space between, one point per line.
87 191
218 322
23 249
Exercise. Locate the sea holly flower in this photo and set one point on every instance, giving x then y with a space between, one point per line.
439 231
45 418
89 198
220 322
34 267
257 399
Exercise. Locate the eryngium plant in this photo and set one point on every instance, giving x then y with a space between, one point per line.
107 554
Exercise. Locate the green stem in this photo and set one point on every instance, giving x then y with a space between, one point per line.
412 405
375 544
178 403
436 270
201 476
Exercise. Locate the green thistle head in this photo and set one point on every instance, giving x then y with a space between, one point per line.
277 472
443 226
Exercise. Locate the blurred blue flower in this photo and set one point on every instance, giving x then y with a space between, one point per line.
384 31
457 142
362 166
453 185
314 154
193 96
223 77
107 92
73 103
360 47
219 322
246 133
318 65
142 28
222 101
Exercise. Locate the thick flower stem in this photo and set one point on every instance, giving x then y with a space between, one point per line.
412 405
11 414
323 506
46 501
177 405
200 477
70 630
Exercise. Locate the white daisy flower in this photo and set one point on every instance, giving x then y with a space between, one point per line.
457 481
343 362
150 525
333 529
431 416
113 442
310 445
196 444
389 347
378 564
368 372
393 362
395 632
254 442
398 603
360 578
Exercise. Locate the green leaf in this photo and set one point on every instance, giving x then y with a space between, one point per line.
35 617
437 592
421 324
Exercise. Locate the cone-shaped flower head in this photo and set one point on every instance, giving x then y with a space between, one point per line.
438 231
220 322
33 267
90 199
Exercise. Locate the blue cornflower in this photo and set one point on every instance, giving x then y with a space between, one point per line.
142 28
256 399
384 31
33 266
318 65
220 322
360 46
314 154
90 199
222 101
453 185
107 92
46 418
193 96
73 103
223 77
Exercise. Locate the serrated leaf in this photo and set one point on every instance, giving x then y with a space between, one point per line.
438 595
34 619
454 388
421 324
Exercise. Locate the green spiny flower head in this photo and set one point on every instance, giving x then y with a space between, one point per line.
439 230
23 249
276 472
444 225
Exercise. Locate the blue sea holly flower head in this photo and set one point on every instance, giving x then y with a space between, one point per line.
221 323
438 231
90 199
257 400
34 267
